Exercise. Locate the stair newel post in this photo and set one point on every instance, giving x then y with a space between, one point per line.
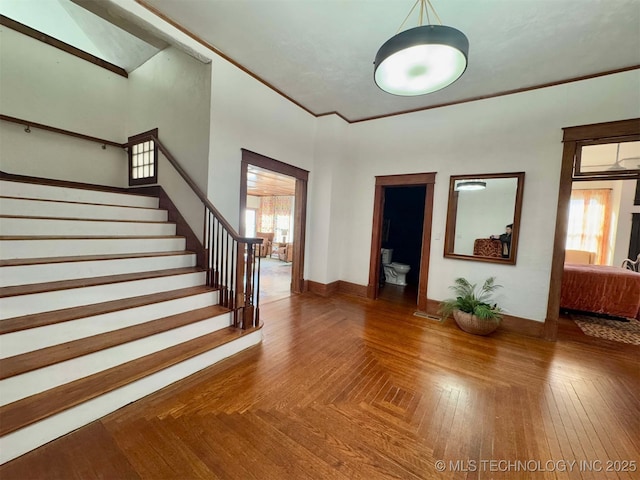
247 317
240 273
218 253
257 287
234 254
214 248
227 261
208 238
223 263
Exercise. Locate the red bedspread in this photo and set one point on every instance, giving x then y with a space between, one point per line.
601 289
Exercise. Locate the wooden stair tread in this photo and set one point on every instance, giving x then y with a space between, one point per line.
75 202
80 219
92 281
88 258
29 361
84 237
14 177
67 314
29 410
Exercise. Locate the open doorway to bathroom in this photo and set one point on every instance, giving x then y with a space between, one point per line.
273 198
403 208
402 224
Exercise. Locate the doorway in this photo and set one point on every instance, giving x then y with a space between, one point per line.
402 224
287 244
413 240
574 139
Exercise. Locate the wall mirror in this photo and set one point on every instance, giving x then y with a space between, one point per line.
483 217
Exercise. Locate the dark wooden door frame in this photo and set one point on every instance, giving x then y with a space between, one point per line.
571 139
409 180
300 207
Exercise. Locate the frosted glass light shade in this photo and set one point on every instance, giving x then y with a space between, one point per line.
470 185
421 60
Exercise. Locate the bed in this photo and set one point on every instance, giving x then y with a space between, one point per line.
601 289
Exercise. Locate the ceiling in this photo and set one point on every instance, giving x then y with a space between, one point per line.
77 26
319 53
261 183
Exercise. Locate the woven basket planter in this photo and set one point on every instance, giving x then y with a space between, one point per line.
472 324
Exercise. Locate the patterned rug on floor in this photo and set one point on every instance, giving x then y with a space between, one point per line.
614 330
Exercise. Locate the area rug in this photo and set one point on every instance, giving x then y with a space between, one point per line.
614 330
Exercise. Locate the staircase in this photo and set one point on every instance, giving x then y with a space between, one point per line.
100 305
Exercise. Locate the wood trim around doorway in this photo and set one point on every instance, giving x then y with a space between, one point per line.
408 180
572 136
300 208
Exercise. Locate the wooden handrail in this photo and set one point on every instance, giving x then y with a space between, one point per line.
232 261
41 126
232 269
203 198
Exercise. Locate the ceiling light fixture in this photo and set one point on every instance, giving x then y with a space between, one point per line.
423 59
469 185
616 166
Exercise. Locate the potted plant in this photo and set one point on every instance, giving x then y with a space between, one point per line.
474 312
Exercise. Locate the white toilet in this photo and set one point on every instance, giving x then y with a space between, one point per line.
394 273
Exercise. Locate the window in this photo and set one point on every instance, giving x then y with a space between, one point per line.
603 159
250 222
590 223
143 155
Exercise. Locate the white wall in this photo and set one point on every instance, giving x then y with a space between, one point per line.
172 91
327 208
246 114
521 132
48 86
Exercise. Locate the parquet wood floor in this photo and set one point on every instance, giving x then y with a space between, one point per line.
347 388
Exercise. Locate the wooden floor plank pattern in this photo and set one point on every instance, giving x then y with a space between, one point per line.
351 388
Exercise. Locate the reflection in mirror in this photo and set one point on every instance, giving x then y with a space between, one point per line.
484 216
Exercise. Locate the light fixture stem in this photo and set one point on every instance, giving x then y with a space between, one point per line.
423 6
408 15
434 12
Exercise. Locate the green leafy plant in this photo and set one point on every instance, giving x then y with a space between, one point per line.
471 300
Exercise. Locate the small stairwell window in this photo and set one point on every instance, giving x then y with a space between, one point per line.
143 159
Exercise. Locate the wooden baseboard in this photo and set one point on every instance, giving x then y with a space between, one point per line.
322 289
354 289
523 326
183 229
510 323
339 286
432 307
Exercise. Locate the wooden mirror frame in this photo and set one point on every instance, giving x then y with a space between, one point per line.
452 210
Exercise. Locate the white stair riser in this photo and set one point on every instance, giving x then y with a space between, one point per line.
44 208
64 247
20 305
55 272
24 440
27 384
48 192
24 341
20 226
